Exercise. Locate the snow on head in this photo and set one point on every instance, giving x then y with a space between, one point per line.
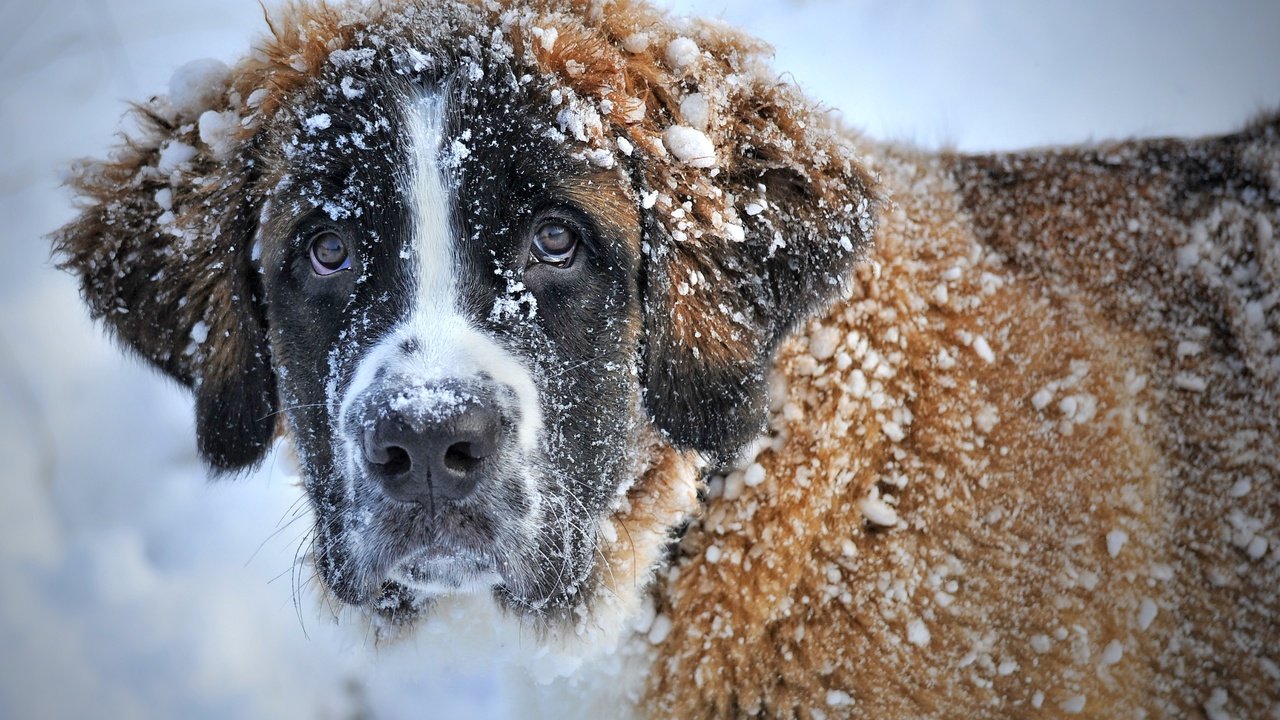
198 86
682 52
690 146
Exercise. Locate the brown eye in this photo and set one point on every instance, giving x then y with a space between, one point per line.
554 244
329 253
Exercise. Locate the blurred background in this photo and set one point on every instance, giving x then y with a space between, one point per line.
131 588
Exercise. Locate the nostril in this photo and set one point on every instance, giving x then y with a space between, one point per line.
462 457
397 462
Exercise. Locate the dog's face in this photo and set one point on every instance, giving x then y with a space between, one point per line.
454 313
480 264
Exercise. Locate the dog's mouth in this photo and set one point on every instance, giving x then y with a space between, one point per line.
438 571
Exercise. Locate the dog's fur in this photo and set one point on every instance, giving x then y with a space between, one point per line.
1025 456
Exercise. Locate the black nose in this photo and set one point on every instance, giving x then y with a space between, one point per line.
423 449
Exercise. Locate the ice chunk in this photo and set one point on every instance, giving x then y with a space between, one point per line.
198 86
218 131
690 146
696 111
681 52
174 156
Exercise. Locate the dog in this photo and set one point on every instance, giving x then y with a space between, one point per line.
579 313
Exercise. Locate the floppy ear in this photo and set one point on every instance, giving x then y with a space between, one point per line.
162 248
717 307
743 246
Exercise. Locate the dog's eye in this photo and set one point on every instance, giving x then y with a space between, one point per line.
554 244
329 253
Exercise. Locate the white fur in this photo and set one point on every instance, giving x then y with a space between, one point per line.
448 346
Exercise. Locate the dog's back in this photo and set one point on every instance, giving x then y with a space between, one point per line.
1031 465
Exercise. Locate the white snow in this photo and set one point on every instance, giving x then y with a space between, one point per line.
696 111
317 122
839 698
198 86
1073 705
636 43
918 633
690 146
877 512
1146 613
217 130
681 52
175 156
1115 541
660 629
1112 653
981 347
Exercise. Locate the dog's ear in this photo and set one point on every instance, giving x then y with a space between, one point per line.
162 248
755 208
721 293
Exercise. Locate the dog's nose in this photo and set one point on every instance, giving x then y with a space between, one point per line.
432 453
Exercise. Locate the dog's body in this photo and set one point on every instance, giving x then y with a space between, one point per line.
519 275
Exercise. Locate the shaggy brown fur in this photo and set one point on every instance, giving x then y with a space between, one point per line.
1030 464
1084 515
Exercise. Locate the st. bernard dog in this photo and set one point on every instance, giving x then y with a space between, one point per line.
582 313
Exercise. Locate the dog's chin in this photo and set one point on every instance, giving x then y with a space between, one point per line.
433 573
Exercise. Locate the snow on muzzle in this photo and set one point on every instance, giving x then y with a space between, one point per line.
433 442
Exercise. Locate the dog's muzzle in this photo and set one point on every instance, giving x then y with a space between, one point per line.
432 443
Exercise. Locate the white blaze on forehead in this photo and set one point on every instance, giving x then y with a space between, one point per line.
446 345
432 201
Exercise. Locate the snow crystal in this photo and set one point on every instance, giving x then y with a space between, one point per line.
546 37
660 629
174 156
824 341
1042 398
1241 488
893 431
1116 540
877 512
600 158
839 698
754 208
198 86
636 43
1146 613
1187 381
1006 668
1257 548
1215 706
1112 653
1073 705
690 146
318 122
350 90
696 111
918 633
1037 699
981 347
649 200
681 52
625 146
218 131
1041 643
164 198
713 554
753 475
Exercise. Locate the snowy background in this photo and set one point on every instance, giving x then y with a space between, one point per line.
130 588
